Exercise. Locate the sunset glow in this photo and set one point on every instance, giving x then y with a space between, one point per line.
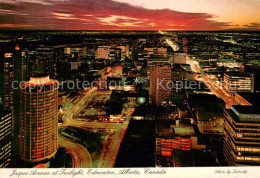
130 14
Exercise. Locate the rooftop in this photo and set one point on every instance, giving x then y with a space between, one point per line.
236 118
185 130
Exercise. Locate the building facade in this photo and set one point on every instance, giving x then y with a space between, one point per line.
46 56
7 76
5 138
39 119
160 83
242 136
156 61
102 52
115 54
234 82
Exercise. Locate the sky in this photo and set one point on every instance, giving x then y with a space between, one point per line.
130 14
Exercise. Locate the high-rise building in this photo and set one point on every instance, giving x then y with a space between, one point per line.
160 83
7 77
20 74
46 57
39 119
31 65
238 82
242 135
102 52
13 70
5 137
156 61
21 63
6 89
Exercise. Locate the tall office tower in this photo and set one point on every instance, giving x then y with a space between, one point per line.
31 65
7 77
160 83
21 65
5 138
13 69
242 135
39 119
20 70
156 60
238 82
102 52
46 58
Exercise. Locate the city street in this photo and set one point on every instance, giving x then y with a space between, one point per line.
80 156
128 84
115 131
214 86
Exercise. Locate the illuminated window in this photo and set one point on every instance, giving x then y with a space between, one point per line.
248 158
239 135
240 158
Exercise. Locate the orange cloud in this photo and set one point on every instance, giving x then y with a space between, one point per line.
100 15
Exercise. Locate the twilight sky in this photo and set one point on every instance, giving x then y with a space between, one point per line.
130 14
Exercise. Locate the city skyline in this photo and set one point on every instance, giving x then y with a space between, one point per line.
129 84
129 15
77 99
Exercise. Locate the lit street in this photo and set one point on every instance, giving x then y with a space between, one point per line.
128 84
213 85
81 157
115 131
